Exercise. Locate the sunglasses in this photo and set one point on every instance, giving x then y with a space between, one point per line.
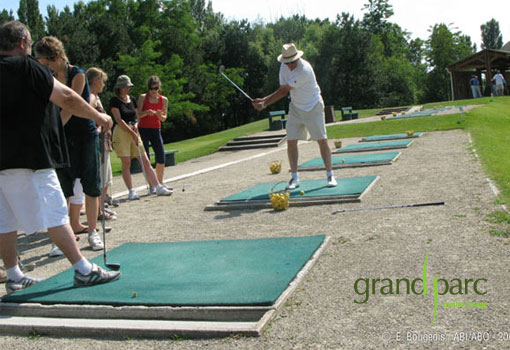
290 62
154 88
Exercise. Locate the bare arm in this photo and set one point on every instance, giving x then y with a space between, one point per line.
78 84
69 100
163 114
261 103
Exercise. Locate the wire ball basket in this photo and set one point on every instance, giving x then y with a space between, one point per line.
279 199
410 133
275 166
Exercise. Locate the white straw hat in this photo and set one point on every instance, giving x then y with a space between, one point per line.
289 53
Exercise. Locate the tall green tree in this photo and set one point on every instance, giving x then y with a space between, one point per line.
444 47
28 13
491 36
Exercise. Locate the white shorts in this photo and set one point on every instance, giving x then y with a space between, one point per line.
78 197
31 201
300 121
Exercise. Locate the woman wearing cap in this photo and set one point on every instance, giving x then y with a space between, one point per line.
153 109
126 139
306 109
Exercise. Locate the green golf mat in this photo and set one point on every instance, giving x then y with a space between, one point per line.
389 137
353 159
197 273
372 146
311 188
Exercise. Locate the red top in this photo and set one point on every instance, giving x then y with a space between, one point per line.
151 121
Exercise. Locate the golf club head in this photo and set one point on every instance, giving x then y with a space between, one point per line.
221 69
112 266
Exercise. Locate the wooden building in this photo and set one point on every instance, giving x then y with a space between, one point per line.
487 63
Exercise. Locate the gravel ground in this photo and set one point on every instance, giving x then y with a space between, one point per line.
391 244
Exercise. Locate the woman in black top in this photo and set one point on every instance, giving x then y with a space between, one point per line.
126 141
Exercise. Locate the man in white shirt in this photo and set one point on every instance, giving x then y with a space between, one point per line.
500 82
306 109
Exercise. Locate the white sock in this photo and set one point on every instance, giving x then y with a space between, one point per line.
158 186
131 190
83 266
14 274
295 176
329 173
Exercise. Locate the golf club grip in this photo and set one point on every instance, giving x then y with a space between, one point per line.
426 204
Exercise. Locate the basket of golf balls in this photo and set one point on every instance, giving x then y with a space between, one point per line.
410 133
275 167
338 144
279 199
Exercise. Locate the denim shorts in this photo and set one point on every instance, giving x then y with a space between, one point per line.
84 154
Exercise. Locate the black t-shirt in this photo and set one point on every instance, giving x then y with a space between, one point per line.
127 110
31 132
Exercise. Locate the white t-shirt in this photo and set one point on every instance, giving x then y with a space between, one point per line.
305 92
499 79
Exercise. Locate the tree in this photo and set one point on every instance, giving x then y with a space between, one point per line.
6 16
375 20
444 47
491 36
28 13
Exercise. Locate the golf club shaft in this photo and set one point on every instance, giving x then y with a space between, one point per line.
103 223
388 207
143 168
237 87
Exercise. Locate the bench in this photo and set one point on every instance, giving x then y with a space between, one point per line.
169 160
347 113
277 124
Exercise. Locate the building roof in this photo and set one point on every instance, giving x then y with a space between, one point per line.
496 58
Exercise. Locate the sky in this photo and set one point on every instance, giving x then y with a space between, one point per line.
414 16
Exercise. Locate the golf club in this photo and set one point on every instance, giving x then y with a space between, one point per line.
388 207
222 68
111 266
141 165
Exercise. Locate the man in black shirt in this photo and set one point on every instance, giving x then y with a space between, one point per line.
32 145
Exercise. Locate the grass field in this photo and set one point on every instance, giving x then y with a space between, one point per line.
489 126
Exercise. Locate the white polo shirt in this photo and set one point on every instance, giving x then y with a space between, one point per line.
499 79
305 92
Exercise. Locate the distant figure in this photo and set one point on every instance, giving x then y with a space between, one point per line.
500 83
475 87
152 110
127 141
306 109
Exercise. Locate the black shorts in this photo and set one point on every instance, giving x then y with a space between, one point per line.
84 154
153 138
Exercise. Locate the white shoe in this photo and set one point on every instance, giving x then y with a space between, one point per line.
153 190
293 184
94 241
163 191
332 181
132 195
55 251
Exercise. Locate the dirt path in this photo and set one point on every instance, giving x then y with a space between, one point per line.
380 244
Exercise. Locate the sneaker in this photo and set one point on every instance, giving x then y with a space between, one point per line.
97 276
132 195
293 184
23 283
332 181
107 216
163 191
110 201
153 190
94 241
55 251
109 211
